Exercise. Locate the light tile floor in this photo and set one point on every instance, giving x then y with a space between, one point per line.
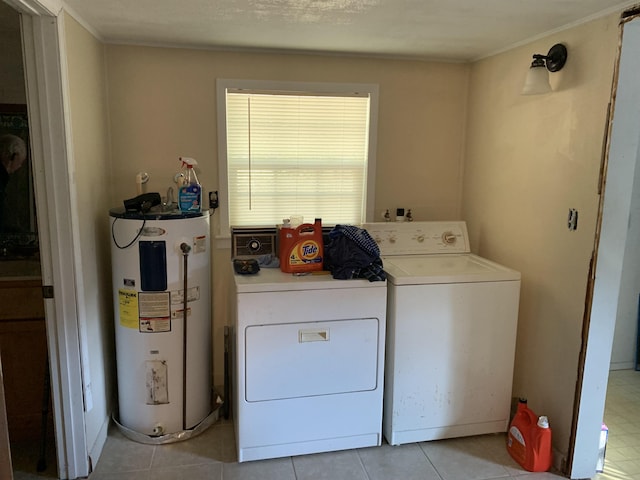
212 455
622 417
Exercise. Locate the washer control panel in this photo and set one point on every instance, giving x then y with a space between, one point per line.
419 238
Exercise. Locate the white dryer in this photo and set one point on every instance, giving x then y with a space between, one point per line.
451 333
308 363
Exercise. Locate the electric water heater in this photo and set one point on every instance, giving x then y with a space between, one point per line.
161 287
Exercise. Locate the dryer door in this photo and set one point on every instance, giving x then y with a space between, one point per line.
311 358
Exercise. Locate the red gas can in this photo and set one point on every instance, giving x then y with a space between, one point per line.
529 439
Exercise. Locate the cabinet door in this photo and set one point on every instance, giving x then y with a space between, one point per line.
6 471
311 358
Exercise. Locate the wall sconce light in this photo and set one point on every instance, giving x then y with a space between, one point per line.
537 81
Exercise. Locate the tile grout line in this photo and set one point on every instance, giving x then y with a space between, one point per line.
293 467
364 468
153 457
429 460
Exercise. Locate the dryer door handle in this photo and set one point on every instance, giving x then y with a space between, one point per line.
315 335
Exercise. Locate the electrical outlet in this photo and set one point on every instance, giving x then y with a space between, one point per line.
213 200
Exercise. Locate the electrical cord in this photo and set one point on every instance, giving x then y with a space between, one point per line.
113 235
144 221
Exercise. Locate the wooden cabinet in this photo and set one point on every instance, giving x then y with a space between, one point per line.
21 300
23 349
6 470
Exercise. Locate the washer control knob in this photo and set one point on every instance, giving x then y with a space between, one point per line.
420 238
392 239
449 238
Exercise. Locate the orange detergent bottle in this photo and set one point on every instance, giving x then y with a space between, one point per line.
301 248
529 439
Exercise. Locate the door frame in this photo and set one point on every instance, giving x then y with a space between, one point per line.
620 160
48 120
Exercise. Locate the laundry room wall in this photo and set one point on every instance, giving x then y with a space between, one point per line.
90 168
529 159
162 104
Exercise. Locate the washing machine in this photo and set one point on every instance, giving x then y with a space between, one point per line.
308 365
451 333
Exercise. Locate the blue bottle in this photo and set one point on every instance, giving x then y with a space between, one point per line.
190 193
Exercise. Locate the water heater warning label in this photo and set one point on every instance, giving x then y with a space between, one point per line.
200 244
155 312
128 301
193 294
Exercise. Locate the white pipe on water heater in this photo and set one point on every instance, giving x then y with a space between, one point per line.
141 179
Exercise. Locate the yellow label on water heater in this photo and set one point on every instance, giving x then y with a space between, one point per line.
128 308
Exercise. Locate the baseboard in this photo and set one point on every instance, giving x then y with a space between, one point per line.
622 366
98 445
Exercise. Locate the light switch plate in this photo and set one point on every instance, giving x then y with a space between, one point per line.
572 220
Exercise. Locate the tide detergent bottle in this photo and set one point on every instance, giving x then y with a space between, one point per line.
190 192
301 248
529 439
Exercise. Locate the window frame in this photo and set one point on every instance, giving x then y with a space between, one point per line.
222 85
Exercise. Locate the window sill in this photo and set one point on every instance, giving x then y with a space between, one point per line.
222 242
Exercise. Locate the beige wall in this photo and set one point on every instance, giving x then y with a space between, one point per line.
91 174
529 159
162 104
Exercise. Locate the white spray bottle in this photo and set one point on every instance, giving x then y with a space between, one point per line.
189 194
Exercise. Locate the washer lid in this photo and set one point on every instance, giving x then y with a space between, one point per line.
452 268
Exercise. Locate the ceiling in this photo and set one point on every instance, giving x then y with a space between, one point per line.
450 30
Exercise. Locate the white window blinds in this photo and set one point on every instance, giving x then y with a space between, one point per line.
292 153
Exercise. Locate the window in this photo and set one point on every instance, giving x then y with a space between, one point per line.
305 149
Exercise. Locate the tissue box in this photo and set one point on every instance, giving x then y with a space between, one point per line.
604 434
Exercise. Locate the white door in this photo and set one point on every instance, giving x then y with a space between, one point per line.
42 57
623 161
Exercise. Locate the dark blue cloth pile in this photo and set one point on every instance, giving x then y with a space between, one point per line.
352 253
